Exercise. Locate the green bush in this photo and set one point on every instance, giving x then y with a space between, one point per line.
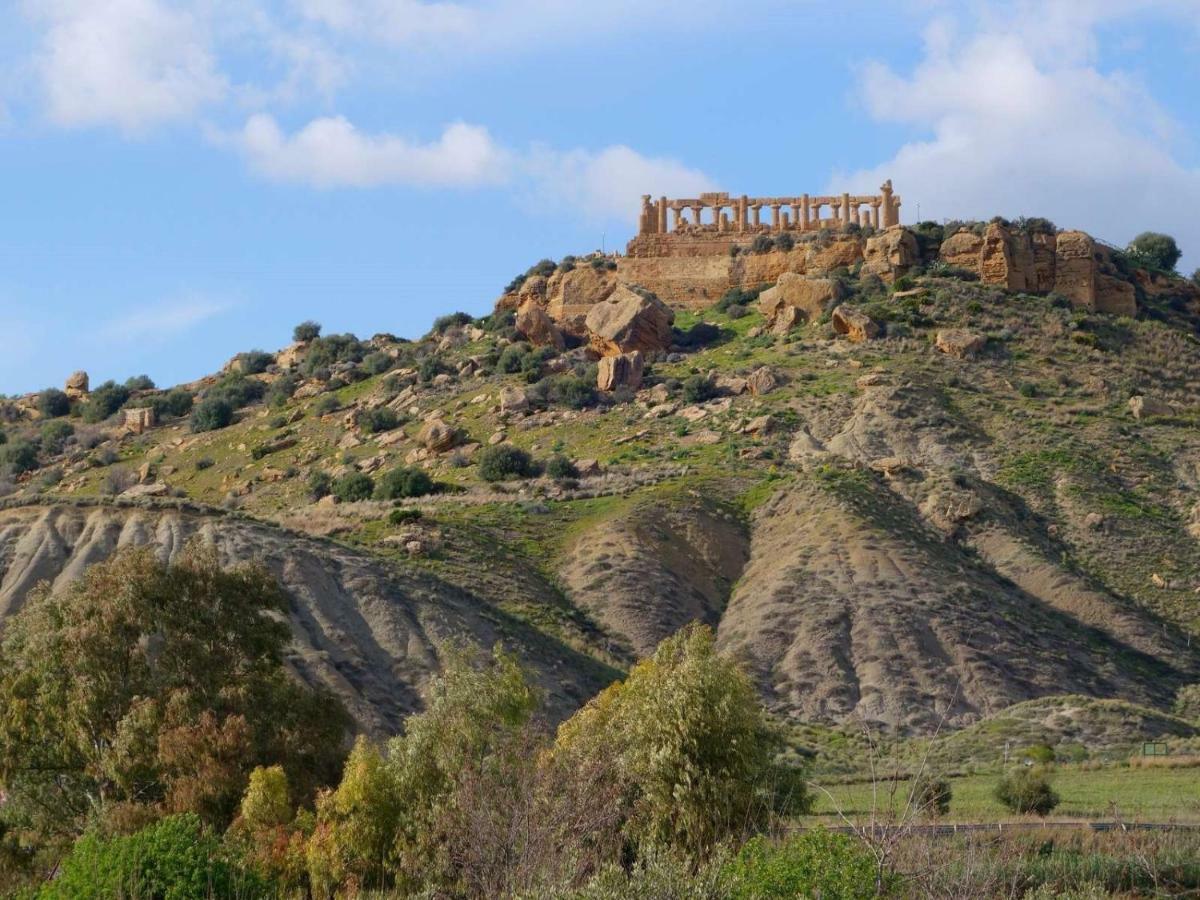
377 420
320 484
53 403
1196 278
404 482
1042 754
532 362
237 390
211 414
403 516
19 456
560 467
817 863
176 402
139 383
571 391
104 401
1187 702
55 434
334 348
281 390
930 795
1154 250
176 858
698 388
443 323
504 461
430 368
1027 790
353 487
326 405
205 462
377 363
511 358
254 362
306 331
762 244
699 335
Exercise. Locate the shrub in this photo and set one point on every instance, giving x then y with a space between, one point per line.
404 482
306 331
698 388
139 383
544 267
511 358
455 319
104 401
699 335
903 283
177 402
353 487
430 368
211 414
254 362
377 363
53 403
560 468
281 390
1154 250
504 461
736 297
532 362
377 420
237 390
320 484
205 462
19 456
117 481
326 351
403 516
572 391
816 863
930 795
55 435
784 241
326 405
176 858
1027 790
1187 702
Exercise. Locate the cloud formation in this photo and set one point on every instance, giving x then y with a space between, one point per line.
163 321
132 63
1022 120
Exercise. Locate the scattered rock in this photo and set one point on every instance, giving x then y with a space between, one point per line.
498 438
157 489
1144 407
795 298
855 324
760 425
960 343
629 321
890 254
537 327
76 386
513 399
731 384
437 436
623 370
587 467
762 381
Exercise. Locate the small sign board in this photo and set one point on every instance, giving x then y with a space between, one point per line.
1154 748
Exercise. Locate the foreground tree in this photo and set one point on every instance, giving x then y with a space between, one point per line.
692 748
145 689
1158 251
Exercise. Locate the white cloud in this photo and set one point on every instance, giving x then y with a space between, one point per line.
609 184
1023 121
331 152
133 63
163 321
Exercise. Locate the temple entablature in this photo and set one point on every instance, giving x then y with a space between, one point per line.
718 213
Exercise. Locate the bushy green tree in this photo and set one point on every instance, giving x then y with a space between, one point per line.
320 484
504 461
1027 790
177 858
306 331
211 414
352 487
930 795
267 801
104 401
155 688
19 456
693 748
1158 251
55 434
53 403
698 388
560 467
379 419
254 362
139 383
404 482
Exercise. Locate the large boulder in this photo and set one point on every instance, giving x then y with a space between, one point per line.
762 380
536 326
996 264
962 249
959 343
810 296
624 370
578 290
437 436
890 254
855 324
513 399
628 321
77 385
1075 268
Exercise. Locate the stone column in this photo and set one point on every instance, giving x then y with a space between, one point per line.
890 215
775 216
724 226
785 221
662 215
806 210
799 222
846 220
754 209
864 217
676 218
741 212
875 214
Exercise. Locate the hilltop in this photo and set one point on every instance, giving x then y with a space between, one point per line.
911 476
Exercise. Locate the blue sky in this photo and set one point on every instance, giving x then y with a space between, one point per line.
181 180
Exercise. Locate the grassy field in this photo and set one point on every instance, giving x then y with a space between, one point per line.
1148 795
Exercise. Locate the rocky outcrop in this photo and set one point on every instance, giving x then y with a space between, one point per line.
810 297
959 343
855 324
629 320
996 265
890 254
962 250
1075 268
76 386
844 251
621 371
535 325
762 381
437 436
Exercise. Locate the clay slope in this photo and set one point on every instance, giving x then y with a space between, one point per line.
645 573
365 629
851 606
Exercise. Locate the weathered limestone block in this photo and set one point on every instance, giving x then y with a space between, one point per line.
624 370
77 385
513 399
1143 407
810 296
290 356
1115 295
1044 252
855 324
766 268
962 249
1075 268
890 254
578 291
138 419
629 321
762 380
1023 276
844 251
996 264
959 343
437 436
536 326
